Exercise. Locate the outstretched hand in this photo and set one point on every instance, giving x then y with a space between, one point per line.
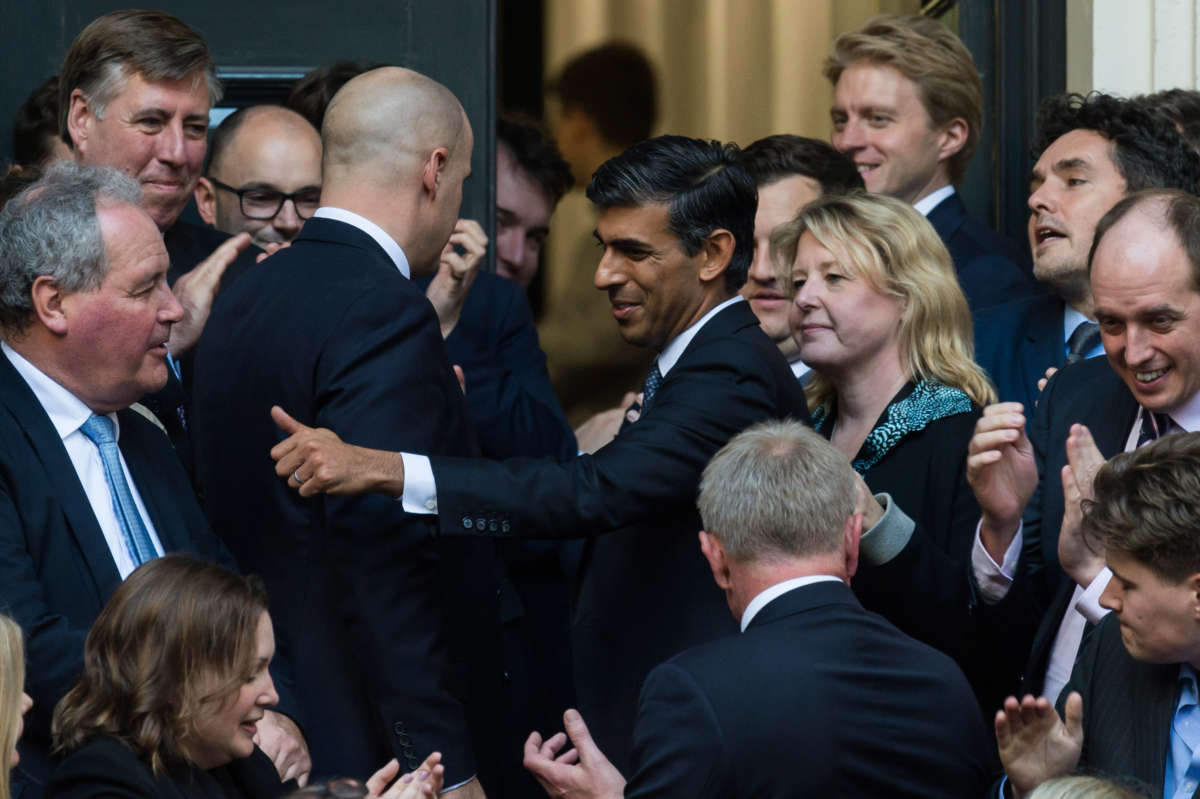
315 461
1035 744
424 782
582 772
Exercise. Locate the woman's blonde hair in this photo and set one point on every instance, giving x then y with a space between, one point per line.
168 632
1082 787
12 685
893 248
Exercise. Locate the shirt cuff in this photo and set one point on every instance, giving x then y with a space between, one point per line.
420 491
449 788
889 535
1089 603
994 579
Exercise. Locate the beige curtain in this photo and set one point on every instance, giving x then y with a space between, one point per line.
735 70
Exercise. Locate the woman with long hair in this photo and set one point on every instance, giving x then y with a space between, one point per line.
14 702
175 680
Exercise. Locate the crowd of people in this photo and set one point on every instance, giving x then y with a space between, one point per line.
288 498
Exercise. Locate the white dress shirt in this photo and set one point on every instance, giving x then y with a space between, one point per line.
994 579
420 489
68 413
932 200
389 245
764 597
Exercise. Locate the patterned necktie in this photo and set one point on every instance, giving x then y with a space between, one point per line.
100 430
1083 340
650 387
1154 426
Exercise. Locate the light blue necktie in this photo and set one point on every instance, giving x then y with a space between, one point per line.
100 430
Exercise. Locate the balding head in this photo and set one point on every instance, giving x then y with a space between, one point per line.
397 150
265 152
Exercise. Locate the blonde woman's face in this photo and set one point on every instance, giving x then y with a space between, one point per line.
26 703
841 322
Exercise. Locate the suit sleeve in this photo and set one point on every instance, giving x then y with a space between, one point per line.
509 396
678 745
651 467
384 382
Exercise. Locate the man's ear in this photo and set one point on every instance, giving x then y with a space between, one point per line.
206 201
80 119
48 304
431 175
952 138
717 250
851 535
718 561
1193 584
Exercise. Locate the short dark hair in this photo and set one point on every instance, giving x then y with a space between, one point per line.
783 155
703 183
310 95
36 124
119 44
1180 212
614 84
1148 505
536 154
1181 106
1147 150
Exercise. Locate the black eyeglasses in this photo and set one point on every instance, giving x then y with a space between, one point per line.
265 203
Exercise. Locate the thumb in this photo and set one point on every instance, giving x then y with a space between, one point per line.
581 739
462 378
285 422
629 398
1073 710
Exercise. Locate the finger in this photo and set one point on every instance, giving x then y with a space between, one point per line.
993 440
212 267
291 772
629 398
569 757
552 744
380 779
1073 708
533 743
984 459
462 378
475 245
289 463
578 732
302 780
458 267
284 421
1003 408
1070 487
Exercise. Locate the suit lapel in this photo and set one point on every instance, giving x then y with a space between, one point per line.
149 478
43 439
1043 340
1153 711
948 216
1112 433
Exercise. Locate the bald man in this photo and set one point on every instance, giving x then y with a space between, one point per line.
263 176
333 328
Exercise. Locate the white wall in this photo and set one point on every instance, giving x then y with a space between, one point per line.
1130 47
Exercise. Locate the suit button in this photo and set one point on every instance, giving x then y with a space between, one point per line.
504 527
481 524
405 741
467 523
412 762
492 526
398 728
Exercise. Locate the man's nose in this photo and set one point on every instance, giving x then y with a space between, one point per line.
762 268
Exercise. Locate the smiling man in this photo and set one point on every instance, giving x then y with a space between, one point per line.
908 108
676 221
1131 703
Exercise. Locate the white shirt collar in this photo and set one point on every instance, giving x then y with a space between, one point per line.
931 201
779 589
670 354
800 368
373 230
1186 416
66 411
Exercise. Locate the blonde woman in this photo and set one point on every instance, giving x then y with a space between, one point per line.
14 702
879 316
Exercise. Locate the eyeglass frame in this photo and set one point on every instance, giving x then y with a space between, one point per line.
283 197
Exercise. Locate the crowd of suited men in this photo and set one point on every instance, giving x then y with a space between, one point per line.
899 506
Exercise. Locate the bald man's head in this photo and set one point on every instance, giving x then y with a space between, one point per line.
260 156
397 150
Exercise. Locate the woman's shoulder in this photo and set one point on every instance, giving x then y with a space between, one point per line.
103 766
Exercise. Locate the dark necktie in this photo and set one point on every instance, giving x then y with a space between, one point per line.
1154 426
650 387
1083 340
100 430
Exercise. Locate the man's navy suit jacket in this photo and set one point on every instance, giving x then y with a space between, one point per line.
56 571
988 265
646 592
330 330
817 698
1016 342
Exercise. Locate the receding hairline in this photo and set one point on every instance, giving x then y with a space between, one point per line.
289 121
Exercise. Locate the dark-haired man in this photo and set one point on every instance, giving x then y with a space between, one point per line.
1146 296
1130 709
263 175
908 109
790 172
676 222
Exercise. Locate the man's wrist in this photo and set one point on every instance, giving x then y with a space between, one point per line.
387 474
997 534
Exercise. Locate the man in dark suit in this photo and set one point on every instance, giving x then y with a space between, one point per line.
333 328
676 225
816 696
1130 707
1031 564
908 108
90 488
1094 150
